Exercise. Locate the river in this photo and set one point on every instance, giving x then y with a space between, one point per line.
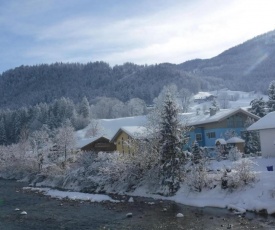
47 213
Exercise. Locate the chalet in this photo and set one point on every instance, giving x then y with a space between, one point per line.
208 127
97 144
203 97
266 127
126 138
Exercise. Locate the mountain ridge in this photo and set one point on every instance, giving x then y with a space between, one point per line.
247 67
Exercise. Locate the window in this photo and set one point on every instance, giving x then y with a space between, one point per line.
211 135
198 137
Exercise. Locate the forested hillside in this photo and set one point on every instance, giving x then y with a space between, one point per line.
247 67
29 85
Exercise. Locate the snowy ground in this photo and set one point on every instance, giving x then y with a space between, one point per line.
72 195
255 197
259 196
244 99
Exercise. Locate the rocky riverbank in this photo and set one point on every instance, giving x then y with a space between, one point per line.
44 212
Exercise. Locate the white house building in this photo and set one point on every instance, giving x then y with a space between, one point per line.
266 126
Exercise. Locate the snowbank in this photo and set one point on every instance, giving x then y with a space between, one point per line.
72 195
258 197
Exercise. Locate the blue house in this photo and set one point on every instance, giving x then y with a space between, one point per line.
208 127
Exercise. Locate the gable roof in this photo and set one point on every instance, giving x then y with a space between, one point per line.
81 143
191 119
266 122
136 132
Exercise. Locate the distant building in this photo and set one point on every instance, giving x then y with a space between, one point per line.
203 97
97 144
127 137
208 127
266 126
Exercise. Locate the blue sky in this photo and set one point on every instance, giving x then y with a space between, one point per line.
119 31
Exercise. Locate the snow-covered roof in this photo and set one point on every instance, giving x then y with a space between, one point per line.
266 122
81 142
234 140
192 119
135 132
109 127
221 141
202 95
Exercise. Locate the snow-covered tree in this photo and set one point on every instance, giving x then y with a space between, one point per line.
252 138
196 178
234 154
271 91
185 96
94 128
84 108
196 152
258 107
3 136
40 143
223 99
271 97
65 140
230 133
136 106
170 146
215 105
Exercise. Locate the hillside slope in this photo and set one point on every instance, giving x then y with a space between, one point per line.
246 67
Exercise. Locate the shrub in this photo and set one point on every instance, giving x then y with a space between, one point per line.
241 174
234 154
196 178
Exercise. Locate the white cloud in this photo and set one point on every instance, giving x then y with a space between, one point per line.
178 32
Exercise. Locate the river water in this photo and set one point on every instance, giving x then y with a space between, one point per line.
47 213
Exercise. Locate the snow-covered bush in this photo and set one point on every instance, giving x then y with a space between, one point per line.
241 174
234 154
129 169
197 177
244 169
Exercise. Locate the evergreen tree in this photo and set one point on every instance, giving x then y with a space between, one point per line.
258 107
215 105
271 97
197 155
3 137
84 109
252 138
170 146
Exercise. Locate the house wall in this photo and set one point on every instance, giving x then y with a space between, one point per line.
208 140
124 143
234 122
267 138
